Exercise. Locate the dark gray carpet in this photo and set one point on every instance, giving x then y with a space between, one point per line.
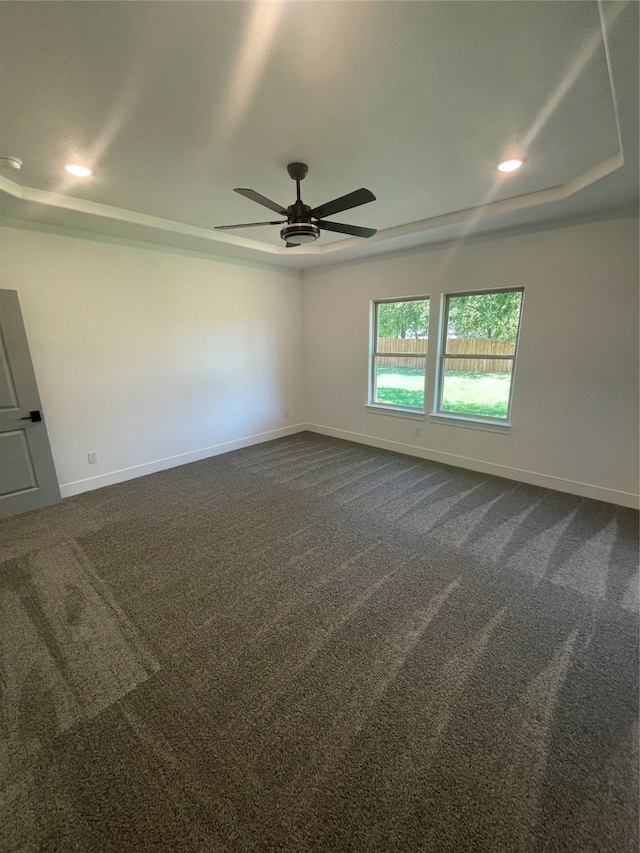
311 645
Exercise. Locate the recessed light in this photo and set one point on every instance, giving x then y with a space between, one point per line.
78 171
11 163
509 165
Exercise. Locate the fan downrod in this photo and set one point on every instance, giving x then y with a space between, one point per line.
297 171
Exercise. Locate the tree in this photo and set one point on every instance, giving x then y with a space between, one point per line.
487 315
403 319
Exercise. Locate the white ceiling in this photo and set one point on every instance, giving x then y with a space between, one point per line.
175 103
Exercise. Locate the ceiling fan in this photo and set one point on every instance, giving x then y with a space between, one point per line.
304 224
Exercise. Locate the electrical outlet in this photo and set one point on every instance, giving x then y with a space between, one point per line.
417 431
92 457
286 414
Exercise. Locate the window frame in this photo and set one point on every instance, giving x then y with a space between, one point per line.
442 356
374 354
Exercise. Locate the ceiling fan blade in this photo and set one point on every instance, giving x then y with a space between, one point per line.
254 196
345 202
355 230
248 225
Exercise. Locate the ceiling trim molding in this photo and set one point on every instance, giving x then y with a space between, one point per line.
494 208
618 213
612 214
118 240
470 214
607 55
96 208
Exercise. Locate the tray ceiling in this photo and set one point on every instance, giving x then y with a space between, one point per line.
173 104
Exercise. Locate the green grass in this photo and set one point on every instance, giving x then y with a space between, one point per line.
484 394
476 393
400 386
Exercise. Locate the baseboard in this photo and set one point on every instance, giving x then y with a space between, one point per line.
585 490
67 490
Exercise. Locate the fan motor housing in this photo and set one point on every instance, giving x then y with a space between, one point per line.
300 232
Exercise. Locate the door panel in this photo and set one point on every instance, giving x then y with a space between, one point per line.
17 469
27 474
8 399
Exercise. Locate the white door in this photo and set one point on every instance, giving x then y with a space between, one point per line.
27 474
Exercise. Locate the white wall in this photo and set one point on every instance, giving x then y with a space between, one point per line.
143 355
575 400
154 359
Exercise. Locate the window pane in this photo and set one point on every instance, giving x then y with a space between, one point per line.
403 326
484 323
399 382
481 388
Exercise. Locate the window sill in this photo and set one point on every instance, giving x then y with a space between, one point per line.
396 412
500 427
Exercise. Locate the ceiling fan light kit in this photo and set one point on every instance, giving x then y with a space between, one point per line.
303 223
298 233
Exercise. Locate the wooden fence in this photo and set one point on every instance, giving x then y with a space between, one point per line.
475 347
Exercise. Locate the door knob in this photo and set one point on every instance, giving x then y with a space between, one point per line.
34 416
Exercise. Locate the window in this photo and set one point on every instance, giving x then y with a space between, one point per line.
480 335
399 353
